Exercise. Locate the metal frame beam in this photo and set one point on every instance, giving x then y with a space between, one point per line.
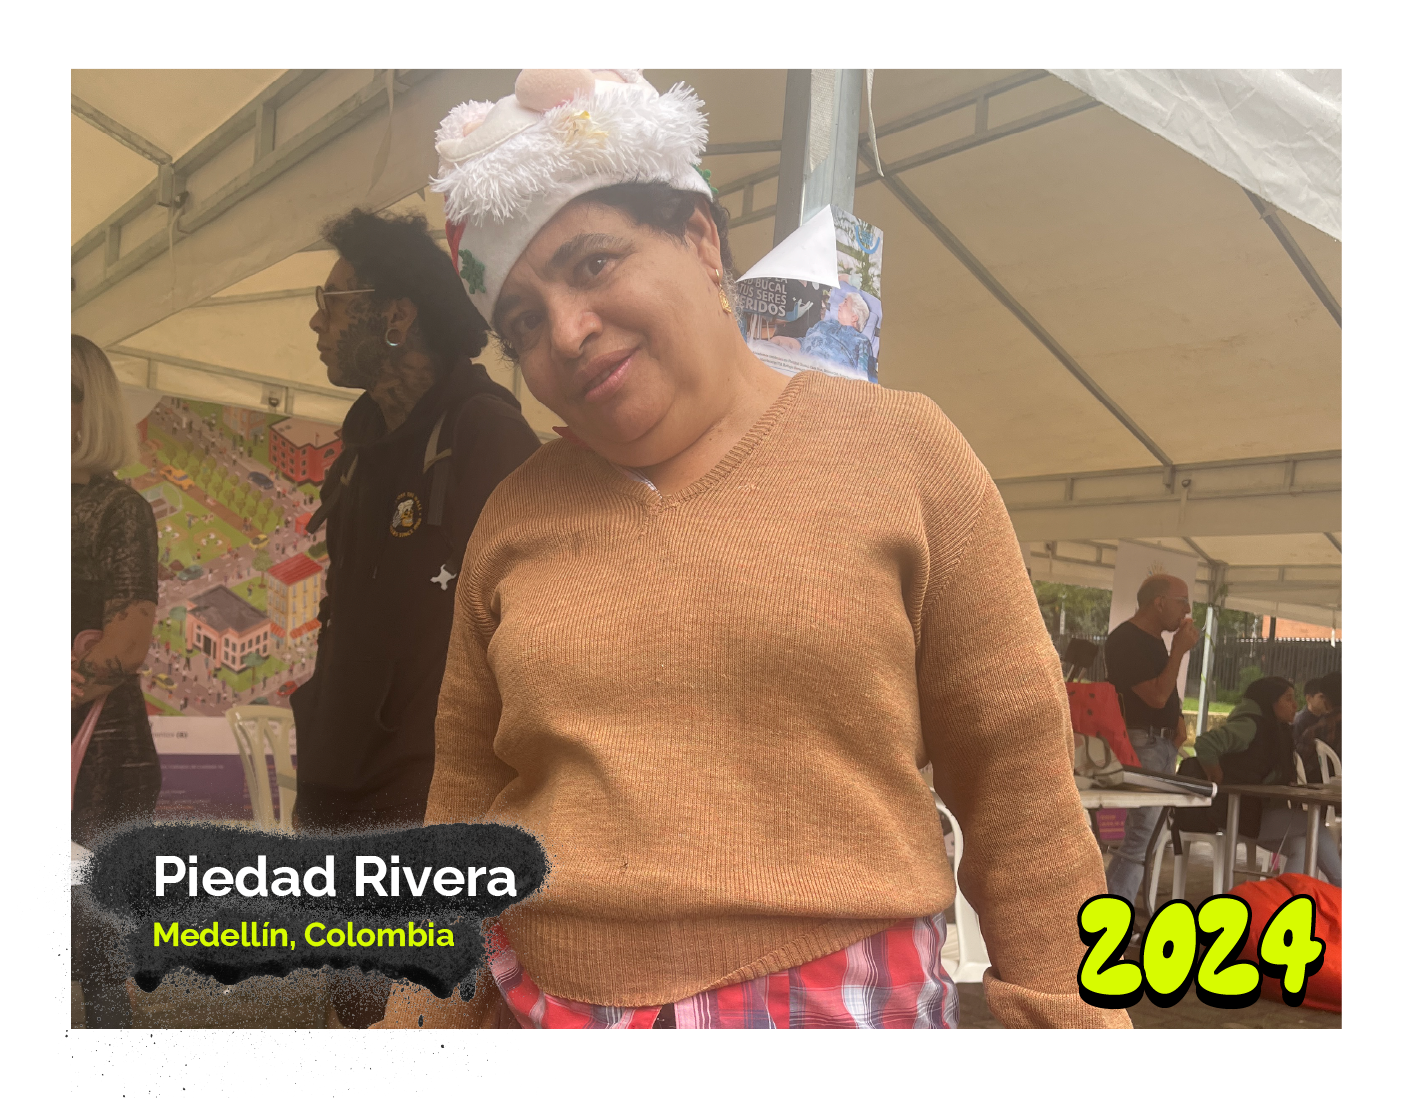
960 102
1311 590
366 102
983 136
1271 216
975 98
247 299
213 144
1298 493
118 132
283 385
978 99
1283 460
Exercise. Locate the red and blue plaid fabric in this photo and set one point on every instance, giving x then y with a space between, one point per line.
891 980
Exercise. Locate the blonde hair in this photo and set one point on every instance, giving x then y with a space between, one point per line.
106 439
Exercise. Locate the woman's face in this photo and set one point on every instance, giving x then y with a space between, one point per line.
1285 706
619 329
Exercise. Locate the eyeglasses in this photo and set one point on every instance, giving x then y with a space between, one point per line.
320 294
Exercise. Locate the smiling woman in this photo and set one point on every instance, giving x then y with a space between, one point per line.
615 315
703 647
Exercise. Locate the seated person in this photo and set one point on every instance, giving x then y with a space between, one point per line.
1314 708
1326 726
1254 747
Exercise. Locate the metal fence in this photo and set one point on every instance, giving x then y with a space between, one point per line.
1236 663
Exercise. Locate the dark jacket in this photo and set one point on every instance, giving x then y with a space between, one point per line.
398 509
1251 749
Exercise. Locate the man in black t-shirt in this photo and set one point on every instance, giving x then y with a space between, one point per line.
1145 672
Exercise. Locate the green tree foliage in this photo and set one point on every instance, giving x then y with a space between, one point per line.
1231 624
262 561
1249 674
248 508
1086 608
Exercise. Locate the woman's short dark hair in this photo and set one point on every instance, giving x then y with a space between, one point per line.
660 206
396 256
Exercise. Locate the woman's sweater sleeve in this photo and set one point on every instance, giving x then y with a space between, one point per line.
996 723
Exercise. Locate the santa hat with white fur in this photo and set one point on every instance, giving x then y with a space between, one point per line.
510 166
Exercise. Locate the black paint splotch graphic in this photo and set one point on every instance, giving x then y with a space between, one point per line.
236 933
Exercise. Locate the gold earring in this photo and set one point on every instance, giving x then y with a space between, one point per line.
721 292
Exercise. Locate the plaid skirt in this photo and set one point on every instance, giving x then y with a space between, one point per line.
891 980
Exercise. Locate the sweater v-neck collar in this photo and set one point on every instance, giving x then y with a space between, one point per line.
639 485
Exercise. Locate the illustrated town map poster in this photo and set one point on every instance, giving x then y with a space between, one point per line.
240 579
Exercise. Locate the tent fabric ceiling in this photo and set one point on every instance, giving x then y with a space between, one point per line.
1152 272
1277 132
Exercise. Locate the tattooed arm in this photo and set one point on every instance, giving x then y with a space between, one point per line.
127 632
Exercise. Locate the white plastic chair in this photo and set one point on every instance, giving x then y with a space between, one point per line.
1256 860
973 959
1164 841
261 730
1329 761
1329 768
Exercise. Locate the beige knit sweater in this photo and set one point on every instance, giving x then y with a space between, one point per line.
712 707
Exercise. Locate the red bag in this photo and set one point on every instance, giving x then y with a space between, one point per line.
1265 897
1094 711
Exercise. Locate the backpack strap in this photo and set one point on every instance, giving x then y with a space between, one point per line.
438 451
326 507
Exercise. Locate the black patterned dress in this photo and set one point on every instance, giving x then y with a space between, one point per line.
114 547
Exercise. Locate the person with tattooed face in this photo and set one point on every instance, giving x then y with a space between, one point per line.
113 542
423 447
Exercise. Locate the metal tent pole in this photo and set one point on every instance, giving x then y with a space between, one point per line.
819 145
1216 595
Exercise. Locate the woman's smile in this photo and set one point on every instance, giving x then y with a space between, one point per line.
608 381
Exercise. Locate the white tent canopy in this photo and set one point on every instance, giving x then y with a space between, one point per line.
1137 343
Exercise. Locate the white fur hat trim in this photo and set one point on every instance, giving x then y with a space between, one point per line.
507 170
